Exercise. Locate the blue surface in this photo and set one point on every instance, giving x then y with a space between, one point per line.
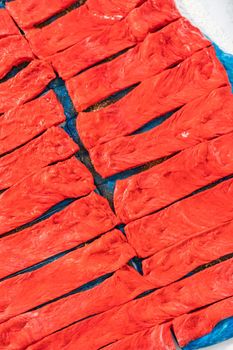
224 330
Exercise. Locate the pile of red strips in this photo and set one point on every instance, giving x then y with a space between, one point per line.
100 48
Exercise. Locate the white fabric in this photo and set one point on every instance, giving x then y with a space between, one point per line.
213 17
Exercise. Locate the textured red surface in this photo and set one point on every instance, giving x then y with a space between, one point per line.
24 329
64 32
157 52
81 221
27 13
30 198
202 119
165 304
29 121
52 146
171 264
13 51
197 75
150 16
24 292
173 179
25 85
7 25
192 326
158 338
184 219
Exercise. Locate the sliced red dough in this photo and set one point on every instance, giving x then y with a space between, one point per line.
24 292
14 50
182 220
7 25
52 146
112 11
27 328
146 192
30 198
195 325
194 123
29 120
158 337
196 76
165 304
27 13
81 221
157 52
150 16
95 28
171 264
25 85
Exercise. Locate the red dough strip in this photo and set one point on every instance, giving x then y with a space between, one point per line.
7 25
158 337
13 51
175 262
27 13
163 305
81 221
64 32
182 220
173 179
193 326
25 329
29 120
150 16
95 31
196 76
30 198
25 85
52 146
157 52
194 123
26 291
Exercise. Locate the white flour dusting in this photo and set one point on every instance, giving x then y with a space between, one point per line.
213 17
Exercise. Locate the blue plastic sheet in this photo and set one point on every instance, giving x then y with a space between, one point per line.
222 331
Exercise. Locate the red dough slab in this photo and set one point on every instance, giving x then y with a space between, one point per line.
181 220
173 179
81 221
64 32
27 13
95 32
193 78
150 16
52 146
7 25
22 123
193 326
25 329
158 338
26 291
165 304
177 261
194 123
25 85
157 52
112 10
13 51
30 198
